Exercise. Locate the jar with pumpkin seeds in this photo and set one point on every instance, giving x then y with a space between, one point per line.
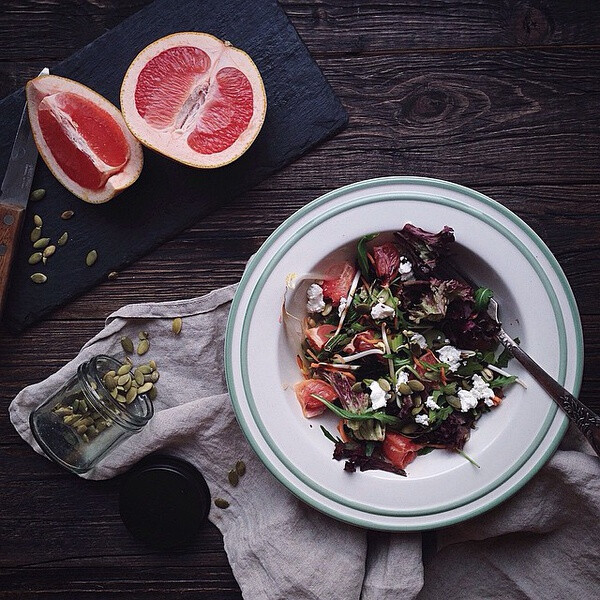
89 415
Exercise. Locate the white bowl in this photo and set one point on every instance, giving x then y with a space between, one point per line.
510 444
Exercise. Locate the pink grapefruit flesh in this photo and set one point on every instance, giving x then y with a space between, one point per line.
194 98
82 138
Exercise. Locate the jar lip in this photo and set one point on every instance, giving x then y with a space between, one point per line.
120 413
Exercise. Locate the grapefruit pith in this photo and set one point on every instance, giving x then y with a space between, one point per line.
194 98
82 138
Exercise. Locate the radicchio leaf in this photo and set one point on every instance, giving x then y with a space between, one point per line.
357 457
356 402
435 301
424 248
387 261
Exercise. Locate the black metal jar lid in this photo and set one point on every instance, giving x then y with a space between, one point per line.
163 501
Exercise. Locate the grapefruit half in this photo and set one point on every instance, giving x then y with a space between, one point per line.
82 138
195 99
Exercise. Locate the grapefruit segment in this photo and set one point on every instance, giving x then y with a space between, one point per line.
194 98
82 138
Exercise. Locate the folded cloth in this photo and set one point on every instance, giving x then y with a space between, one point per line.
542 543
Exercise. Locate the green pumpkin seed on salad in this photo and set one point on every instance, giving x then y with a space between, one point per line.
405 356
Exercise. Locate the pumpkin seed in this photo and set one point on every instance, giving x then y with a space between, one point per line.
62 411
152 364
114 393
124 369
145 388
139 377
154 376
120 398
75 405
417 400
176 326
152 394
49 251
87 421
70 419
113 275
410 428
83 407
128 361
37 195
110 382
327 309
415 385
240 467
37 220
416 410
221 503
101 426
143 335
91 258
81 429
41 242
67 215
384 384
92 432
145 369
363 308
487 374
127 344
453 401
62 240
357 387
123 379
39 278
143 347
233 477
131 394
35 258
404 389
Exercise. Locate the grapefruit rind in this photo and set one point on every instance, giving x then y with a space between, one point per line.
172 143
48 85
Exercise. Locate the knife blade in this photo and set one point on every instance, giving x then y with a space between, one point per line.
16 186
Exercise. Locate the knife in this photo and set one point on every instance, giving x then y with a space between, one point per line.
15 194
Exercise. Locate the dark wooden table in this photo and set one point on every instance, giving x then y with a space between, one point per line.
499 95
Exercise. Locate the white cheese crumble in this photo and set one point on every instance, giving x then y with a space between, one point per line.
422 420
451 356
382 311
417 338
402 377
467 399
481 390
342 306
379 396
431 403
405 269
314 294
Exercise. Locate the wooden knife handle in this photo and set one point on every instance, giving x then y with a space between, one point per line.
11 223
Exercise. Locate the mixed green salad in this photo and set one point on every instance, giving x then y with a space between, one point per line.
404 355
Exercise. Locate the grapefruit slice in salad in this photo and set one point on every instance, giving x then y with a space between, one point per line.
82 138
195 99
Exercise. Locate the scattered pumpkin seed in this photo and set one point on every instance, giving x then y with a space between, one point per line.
113 275
326 310
154 376
410 428
127 344
384 384
35 258
145 388
152 365
453 401
41 243
49 251
176 325
143 347
145 369
233 477
143 335
404 389
39 278
139 376
62 240
36 234
91 258
415 385
240 467
124 369
67 215
416 410
221 503
487 374
37 195
357 387
37 220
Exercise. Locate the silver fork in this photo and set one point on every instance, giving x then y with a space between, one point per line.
586 420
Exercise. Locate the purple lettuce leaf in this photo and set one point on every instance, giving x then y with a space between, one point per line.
424 248
356 457
434 302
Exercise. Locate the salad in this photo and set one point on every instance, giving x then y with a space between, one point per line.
402 353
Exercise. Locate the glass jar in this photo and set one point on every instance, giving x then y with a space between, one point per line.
79 424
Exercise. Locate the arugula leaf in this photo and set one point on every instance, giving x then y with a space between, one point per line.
329 436
502 381
424 451
363 261
482 297
365 416
503 360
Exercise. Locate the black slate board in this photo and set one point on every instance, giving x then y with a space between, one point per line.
168 197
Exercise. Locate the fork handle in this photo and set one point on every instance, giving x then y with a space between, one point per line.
586 420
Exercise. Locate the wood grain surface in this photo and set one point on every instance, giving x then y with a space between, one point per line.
501 96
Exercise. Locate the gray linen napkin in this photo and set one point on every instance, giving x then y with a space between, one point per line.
542 543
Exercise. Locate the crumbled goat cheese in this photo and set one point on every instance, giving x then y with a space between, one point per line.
481 390
402 377
382 311
451 356
314 295
417 338
431 403
405 269
342 306
379 396
422 420
467 399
